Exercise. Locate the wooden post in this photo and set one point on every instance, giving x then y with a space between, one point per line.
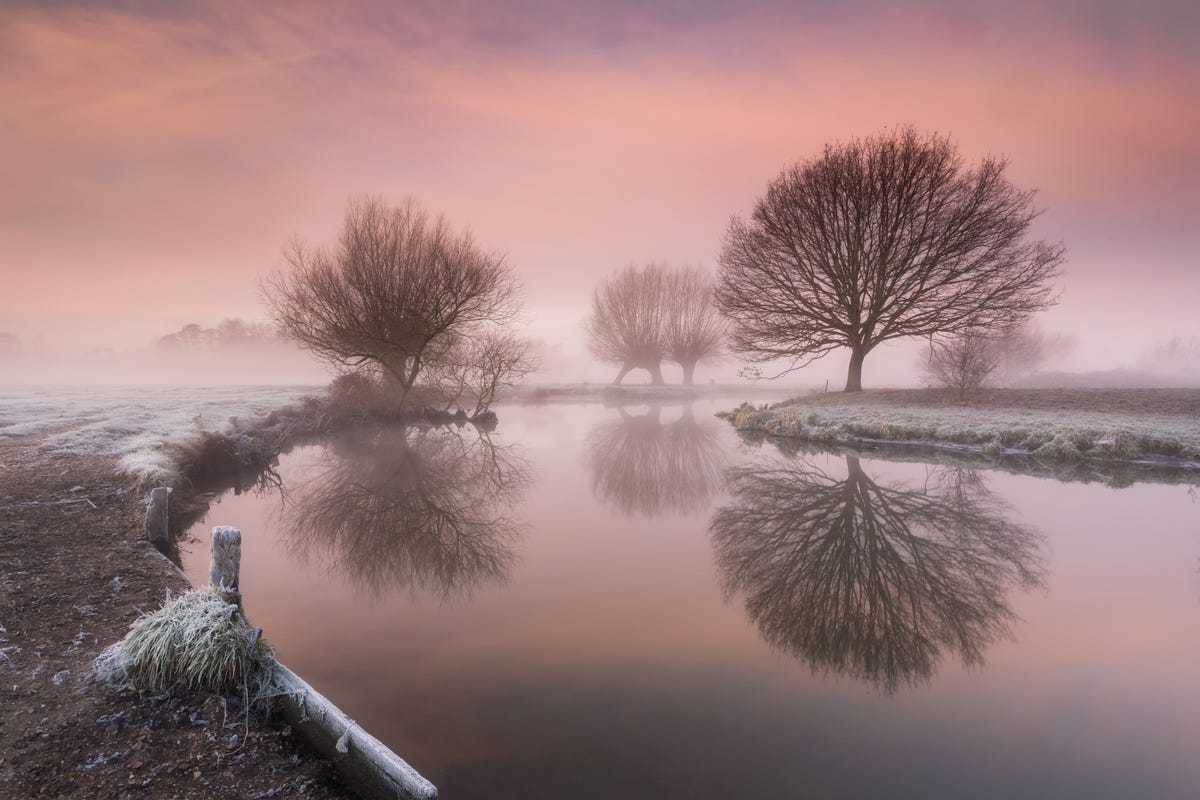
373 769
226 559
156 528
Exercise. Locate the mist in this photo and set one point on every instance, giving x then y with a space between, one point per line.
563 359
271 362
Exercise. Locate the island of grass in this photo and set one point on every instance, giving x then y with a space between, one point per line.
1127 425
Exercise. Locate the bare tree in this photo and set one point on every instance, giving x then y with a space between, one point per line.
695 329
961 362
644 314
879 239
626 324
397 290
476 369
965 361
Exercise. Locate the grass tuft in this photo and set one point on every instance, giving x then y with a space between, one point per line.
198 642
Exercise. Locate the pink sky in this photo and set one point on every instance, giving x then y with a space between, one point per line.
155 161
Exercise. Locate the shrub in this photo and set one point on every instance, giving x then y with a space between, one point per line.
355 393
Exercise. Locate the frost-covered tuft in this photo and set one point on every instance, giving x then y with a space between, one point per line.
198 642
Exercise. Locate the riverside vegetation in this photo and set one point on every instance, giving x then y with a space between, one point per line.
1157 425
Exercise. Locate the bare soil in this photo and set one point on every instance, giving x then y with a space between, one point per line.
74 574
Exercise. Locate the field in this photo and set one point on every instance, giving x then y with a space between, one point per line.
133 424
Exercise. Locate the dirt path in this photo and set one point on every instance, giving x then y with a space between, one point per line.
73 575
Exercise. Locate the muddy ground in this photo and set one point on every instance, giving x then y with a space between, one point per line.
74 574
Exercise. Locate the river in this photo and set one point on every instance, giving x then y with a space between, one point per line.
634 602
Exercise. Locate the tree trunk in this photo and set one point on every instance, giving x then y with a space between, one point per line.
656 378
410 380
621 375
854 375
689 372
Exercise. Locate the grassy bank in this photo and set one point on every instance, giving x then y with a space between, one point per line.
141 427
1129 425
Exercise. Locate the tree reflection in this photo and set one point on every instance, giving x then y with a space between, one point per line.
641 465
868 580
405 508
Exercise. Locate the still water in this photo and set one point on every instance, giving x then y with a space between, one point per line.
632 602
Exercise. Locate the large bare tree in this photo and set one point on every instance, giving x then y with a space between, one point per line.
695 330
879 239
626 324
645 314
398 289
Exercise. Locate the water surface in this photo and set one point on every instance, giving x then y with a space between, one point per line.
601 602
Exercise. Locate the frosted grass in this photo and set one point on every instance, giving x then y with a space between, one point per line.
1054 434
134 425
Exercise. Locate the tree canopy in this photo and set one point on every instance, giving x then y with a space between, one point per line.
647 313
400 290
879 239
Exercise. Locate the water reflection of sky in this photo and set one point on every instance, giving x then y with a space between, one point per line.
609 661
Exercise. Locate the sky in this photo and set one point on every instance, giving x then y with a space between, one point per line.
156 157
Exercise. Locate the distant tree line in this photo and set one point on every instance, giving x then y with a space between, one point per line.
230 332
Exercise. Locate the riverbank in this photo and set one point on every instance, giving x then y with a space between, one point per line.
1141 426
75 574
